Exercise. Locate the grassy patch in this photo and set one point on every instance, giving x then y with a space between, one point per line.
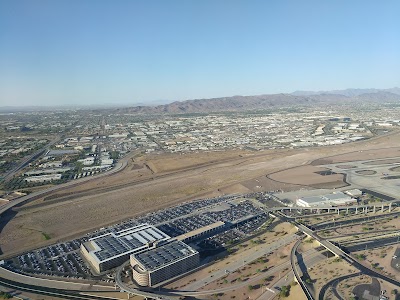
46 236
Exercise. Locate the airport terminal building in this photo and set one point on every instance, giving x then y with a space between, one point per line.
164 262
335 199
111 249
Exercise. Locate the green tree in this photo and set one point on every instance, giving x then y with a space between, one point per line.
114 154
78 167
285 291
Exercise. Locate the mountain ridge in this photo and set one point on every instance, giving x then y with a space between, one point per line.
267 101
348 92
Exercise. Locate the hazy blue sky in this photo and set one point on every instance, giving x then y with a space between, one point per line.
85 52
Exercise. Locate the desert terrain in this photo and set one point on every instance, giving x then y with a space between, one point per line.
152 182
380 259
251 279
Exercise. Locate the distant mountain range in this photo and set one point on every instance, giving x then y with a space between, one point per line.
235 103
349 92
259 102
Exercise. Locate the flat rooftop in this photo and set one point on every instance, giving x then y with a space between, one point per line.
313 199
164 255
126 241
326 198
62 152
336 196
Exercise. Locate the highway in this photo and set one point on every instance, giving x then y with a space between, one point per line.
64 294
311 257
25 161
117 168
341 223
51 282
339 252
44 286
363 233
260 250
333 284
370 244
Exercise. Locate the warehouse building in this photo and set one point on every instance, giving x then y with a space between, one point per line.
335 199
164 262
111 249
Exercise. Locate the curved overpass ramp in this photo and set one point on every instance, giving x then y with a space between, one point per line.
293 260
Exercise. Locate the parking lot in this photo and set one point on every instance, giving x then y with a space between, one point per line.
241 214
61 260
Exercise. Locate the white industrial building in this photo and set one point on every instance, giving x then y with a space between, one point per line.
354 192
87 161
335 199
43 178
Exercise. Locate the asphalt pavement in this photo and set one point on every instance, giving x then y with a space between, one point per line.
247 257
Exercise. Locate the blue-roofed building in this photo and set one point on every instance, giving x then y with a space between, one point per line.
164 262
111 249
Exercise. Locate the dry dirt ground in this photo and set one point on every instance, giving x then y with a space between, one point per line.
359 154
382 257
385 224
308 176
327 270
270 236
250 271
346 287
152 182
247 272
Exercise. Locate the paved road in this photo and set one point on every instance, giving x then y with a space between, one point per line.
118 167
341 223
333 284
248 257
25 161
328 245
293 262
365 245
52 283
49 291
363 233
311 257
